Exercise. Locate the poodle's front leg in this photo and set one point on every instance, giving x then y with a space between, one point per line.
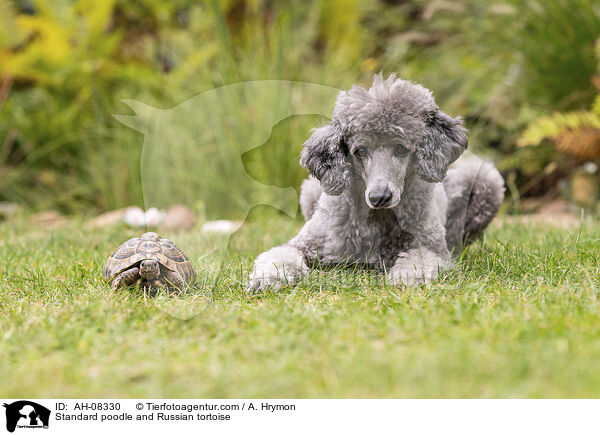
278 267
423 263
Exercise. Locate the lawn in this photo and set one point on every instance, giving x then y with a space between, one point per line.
519 317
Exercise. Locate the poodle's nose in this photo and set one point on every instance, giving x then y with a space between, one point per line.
380 198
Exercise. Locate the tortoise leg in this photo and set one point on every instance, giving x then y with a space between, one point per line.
126 278
153 286
174 282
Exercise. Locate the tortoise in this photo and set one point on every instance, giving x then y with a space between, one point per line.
151 261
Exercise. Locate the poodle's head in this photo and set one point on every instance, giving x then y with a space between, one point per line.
385 135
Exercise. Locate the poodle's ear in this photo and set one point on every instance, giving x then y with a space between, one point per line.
444 141
325 157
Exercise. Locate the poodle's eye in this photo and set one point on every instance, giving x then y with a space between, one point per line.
360 152
400 152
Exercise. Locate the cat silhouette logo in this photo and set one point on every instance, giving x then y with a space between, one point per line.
26 414
200 152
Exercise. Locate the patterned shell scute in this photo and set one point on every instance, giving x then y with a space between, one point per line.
149 246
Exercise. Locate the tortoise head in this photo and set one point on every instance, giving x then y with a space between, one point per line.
149 269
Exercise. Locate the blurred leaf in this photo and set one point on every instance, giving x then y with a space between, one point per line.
8 29
552 126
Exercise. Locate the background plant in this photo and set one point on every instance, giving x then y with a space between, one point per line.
65 66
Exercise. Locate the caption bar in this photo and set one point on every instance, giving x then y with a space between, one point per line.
46 416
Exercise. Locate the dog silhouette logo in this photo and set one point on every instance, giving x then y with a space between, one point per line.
26 414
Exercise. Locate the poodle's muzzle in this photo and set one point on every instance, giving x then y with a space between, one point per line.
384 172
380 198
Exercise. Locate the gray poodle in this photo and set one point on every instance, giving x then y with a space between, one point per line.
380 192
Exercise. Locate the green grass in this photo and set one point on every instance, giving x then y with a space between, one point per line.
519 317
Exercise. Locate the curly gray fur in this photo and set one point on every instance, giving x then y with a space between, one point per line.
380 192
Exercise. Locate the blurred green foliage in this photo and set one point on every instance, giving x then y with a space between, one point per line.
65 65
569 128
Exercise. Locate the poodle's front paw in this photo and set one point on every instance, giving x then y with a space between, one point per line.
412 275
277 268
258 285
418 268
273 276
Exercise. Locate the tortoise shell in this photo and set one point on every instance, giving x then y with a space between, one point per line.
149 246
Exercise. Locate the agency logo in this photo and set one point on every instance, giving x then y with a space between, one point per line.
24 414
